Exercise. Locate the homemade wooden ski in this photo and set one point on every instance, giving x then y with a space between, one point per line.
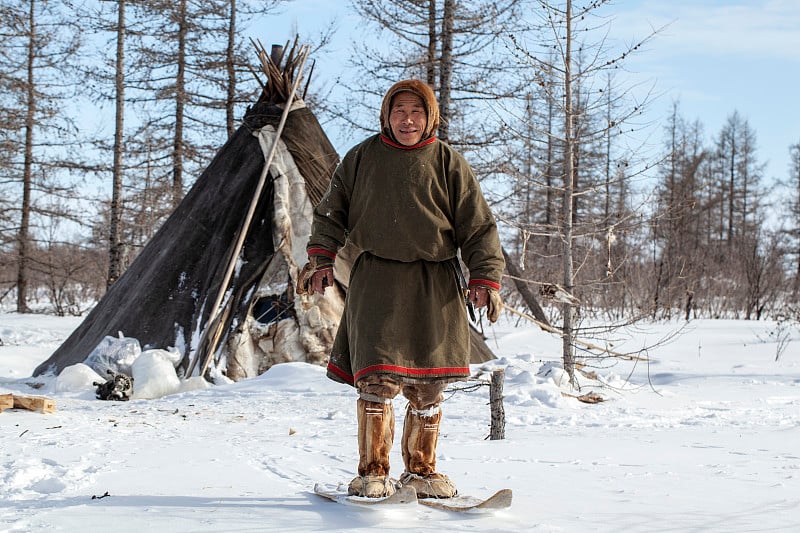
402 496
499 500
407 495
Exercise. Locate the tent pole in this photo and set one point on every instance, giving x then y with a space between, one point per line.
217 309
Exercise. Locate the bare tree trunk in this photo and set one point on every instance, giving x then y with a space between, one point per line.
549 214
230 65
795 151
607 154
527 165
430 66
27 172
446 69
732 186
567 211
180 102
115 266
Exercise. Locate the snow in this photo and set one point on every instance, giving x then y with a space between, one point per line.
704 437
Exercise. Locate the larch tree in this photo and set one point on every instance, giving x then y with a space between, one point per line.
738 176
711 207
793 228
534 163
176 95
11 123
569 57
115 243
184 54
39 50
740 197
454 46
677 220
113 82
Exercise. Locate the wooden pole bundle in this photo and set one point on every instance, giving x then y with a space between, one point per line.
276 81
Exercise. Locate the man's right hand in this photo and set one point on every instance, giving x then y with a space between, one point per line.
321 279
314 279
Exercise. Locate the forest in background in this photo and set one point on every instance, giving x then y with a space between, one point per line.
110 111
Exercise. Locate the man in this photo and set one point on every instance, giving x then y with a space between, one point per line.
409 203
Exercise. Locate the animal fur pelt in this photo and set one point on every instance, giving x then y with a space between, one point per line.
118 388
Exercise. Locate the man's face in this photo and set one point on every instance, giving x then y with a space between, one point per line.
407 118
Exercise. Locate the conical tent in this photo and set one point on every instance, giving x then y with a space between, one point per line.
165 297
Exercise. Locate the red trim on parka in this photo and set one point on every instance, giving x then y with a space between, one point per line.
321 251
393 144
484 283
415 372
341 373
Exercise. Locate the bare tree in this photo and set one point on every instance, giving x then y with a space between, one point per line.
677 226
39 48
793 229
229 81
738 176
175 94
115 244
740 207
11 123
454 46
572 69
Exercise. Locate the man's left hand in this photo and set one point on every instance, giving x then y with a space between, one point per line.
479 296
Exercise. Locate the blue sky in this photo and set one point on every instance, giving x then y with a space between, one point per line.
715 57
720 56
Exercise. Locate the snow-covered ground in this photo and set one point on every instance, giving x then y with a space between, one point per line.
706 437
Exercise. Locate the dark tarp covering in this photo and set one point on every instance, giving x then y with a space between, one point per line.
165 296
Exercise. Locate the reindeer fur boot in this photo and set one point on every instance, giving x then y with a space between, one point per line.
375 437
420 434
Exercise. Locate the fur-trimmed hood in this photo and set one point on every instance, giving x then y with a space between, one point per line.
422 90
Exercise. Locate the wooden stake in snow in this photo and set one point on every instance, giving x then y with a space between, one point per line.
498 431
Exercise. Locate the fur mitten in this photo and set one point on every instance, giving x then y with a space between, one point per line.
494 305
315 266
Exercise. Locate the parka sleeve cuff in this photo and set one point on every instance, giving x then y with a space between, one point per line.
325 256
484 283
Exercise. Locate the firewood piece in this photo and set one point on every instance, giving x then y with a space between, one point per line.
35 403
589 397
6 402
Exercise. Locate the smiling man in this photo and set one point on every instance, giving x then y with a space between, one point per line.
407 118
409 203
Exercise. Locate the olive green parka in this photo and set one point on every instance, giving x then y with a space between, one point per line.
409 210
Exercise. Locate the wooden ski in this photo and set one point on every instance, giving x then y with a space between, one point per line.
402 496
499 500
